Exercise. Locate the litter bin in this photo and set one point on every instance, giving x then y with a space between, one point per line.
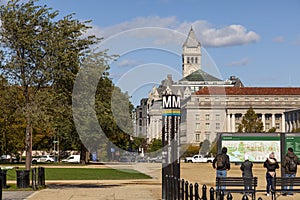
3 173
23 179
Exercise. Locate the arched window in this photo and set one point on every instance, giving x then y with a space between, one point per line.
196 60
188 59
192 59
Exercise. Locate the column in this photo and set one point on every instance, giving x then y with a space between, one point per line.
233 123
263 119
228 123
273 120
282 122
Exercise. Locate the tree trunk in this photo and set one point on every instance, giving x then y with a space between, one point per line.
28 146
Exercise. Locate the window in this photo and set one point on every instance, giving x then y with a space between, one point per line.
206 126
217 126
188 59
218 117
206 116
207 134
267 126
277 116
197 137
277 125
192 59
196 60
268 117
238 117
197 117
197 126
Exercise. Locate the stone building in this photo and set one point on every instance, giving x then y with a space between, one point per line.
210 105
216 109
292 120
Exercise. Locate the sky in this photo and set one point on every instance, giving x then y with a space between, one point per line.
257 41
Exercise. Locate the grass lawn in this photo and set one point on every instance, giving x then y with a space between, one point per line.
86 174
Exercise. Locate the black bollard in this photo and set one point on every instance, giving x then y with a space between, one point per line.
196 191
245 197
191 191
259 198
186 190
212 193
182 188
204 188
222 195
229 196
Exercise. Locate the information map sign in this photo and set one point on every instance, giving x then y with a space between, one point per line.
259 145
293 140
257 148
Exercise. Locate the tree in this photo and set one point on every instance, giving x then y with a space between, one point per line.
204 147
38 52
250 123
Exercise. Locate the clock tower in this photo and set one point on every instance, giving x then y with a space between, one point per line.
191 54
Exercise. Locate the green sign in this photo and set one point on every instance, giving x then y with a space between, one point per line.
257 148
294 142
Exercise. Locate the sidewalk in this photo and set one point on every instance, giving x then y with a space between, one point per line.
146 189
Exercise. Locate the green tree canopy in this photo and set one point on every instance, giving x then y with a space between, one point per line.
39 52
250 123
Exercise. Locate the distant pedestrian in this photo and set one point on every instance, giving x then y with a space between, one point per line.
247 174
271 164
290 168
222 164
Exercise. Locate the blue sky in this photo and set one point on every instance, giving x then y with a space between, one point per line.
257 41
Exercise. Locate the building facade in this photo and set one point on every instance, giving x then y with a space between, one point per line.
210 105
215 109
292 120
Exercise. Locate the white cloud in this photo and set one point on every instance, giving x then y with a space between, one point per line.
208 34
278 39
242 62
128 63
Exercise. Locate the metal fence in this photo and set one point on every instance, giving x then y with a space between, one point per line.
180 189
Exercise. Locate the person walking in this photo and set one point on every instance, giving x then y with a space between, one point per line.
271 164
290 168
246 168
222 164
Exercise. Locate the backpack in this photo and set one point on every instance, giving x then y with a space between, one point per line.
221 161
292 165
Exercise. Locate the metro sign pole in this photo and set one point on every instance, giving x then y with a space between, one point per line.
170 138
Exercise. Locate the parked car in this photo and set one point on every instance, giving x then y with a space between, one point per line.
7 158
199 158
43 158
157 159
72 159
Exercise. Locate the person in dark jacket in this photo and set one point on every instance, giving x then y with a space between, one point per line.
271 164
222 164
247 174
290 168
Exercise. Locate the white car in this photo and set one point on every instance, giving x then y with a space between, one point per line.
72 159
43 158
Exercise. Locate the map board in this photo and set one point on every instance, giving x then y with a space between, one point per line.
257 148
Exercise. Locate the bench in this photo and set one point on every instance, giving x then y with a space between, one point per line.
279 182
237 185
